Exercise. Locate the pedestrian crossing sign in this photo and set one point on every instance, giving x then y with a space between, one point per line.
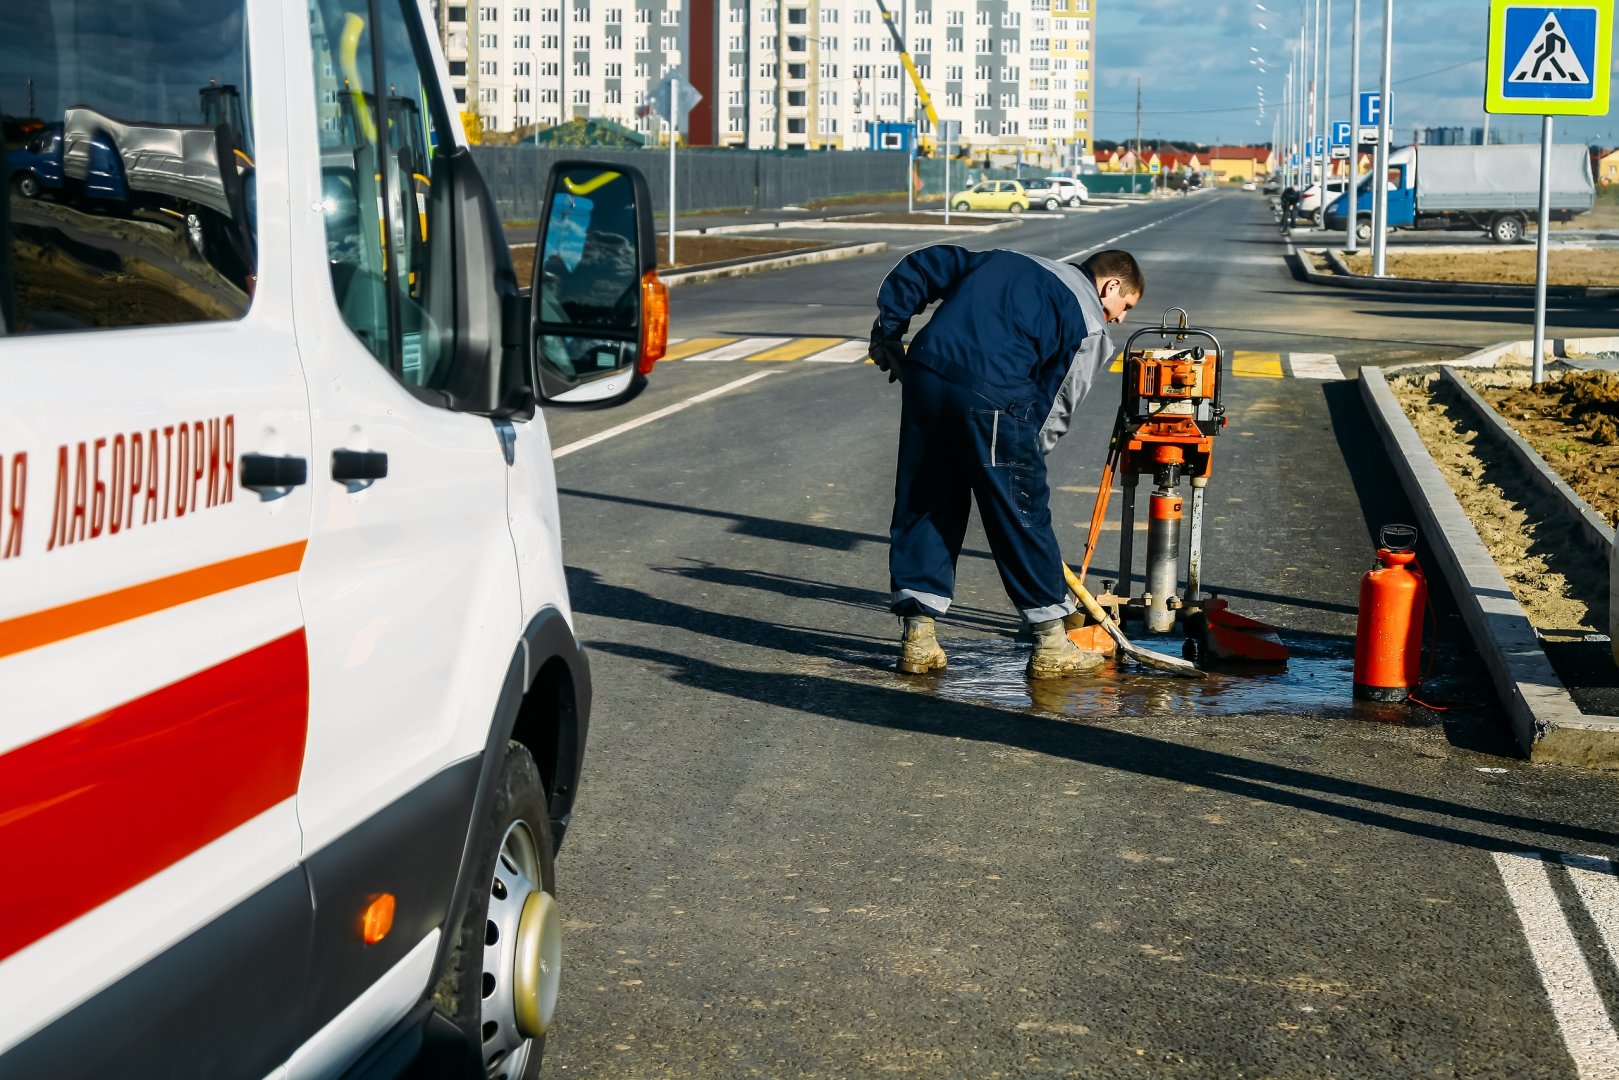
1549 60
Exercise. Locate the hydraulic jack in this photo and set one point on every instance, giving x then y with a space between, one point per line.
1170 412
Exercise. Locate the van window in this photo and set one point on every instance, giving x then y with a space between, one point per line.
128 165
385 188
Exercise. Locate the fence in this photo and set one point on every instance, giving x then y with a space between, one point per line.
706 179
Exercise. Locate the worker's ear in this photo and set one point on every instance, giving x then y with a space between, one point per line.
1109 287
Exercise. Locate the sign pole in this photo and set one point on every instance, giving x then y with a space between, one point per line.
1351 193
1385 134
674 107
945 134
1540 248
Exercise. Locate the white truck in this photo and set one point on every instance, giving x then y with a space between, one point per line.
1489 189
294 711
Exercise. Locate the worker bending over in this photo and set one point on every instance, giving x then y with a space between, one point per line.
988 387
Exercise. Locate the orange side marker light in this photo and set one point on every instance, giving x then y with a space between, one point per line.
378 918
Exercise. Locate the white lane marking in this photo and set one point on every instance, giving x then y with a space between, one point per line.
1114 240
1599 890
850 352
1315 365
736 350
667 410
1588 1032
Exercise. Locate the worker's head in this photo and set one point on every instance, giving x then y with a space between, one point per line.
1118 281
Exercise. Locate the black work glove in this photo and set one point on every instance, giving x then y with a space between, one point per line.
889 356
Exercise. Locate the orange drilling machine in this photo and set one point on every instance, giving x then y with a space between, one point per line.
1170 412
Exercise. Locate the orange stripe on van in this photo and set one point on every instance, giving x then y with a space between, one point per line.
109 609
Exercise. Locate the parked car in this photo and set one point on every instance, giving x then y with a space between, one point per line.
993 195
1273 186
1248 185
1310 201
1052 191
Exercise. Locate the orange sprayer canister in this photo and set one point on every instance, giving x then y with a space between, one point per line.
1388 633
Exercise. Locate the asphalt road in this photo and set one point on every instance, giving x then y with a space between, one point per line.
787 860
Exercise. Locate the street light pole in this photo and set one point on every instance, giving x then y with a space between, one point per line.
1385 132
1326 118
1351 194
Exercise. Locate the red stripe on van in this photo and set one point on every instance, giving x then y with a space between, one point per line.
89 811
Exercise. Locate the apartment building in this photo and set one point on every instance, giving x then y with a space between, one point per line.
786 74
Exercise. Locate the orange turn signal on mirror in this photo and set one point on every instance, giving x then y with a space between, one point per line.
654 321
378 918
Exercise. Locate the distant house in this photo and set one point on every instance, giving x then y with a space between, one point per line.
589 131
1606 168
1116 161
1235 164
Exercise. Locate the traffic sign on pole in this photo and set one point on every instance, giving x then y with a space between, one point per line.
1340 133
1549 60
1371 109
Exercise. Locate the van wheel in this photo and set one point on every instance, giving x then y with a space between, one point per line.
502 974
1363 230
28 186
1051 204
1507 229
963 206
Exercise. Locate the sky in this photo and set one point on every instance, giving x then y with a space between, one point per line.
1201 87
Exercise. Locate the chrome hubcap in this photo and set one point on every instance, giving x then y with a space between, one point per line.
522 957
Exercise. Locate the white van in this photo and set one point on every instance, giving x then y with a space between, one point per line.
293 711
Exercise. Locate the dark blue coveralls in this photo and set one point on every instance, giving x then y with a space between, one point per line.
990 384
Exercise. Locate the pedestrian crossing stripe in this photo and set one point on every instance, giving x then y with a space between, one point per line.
1246 364
1243 364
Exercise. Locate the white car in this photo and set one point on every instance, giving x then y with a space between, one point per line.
1310 202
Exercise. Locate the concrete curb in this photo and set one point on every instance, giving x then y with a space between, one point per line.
1523 352
1545 720
753 266
1596 532
1346 280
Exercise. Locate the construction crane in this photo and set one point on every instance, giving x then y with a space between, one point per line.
910 69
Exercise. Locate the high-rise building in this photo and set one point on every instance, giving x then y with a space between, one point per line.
786 74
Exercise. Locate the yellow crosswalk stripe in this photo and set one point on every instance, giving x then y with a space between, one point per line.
693 346
798 349
1256 365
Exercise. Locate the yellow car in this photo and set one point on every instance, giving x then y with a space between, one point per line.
993 195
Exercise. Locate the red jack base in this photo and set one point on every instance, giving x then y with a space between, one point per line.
1227 636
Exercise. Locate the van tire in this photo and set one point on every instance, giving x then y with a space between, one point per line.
1506 228
1051 203
518 827
28 186
1363 230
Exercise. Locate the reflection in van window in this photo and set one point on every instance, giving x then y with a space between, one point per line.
385 191
129 176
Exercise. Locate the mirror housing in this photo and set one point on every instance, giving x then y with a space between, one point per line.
598 315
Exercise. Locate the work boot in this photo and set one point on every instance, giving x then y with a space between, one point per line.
919 647
1055 656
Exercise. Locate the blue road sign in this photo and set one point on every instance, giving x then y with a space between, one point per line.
1319 148
1371 106
1340 133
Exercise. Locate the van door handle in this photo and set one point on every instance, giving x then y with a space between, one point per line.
268 471
350 466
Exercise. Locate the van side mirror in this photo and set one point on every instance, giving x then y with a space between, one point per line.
599 315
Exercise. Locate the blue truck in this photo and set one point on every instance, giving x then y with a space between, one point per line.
1488 189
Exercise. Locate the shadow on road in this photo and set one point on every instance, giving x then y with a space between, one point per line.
1443 820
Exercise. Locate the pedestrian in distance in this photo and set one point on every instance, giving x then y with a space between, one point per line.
987 388
1290 207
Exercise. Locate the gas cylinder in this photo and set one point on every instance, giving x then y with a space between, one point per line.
1388 631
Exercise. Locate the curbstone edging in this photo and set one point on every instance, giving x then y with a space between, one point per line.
1545 720
1595 531
751 266
1347 280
